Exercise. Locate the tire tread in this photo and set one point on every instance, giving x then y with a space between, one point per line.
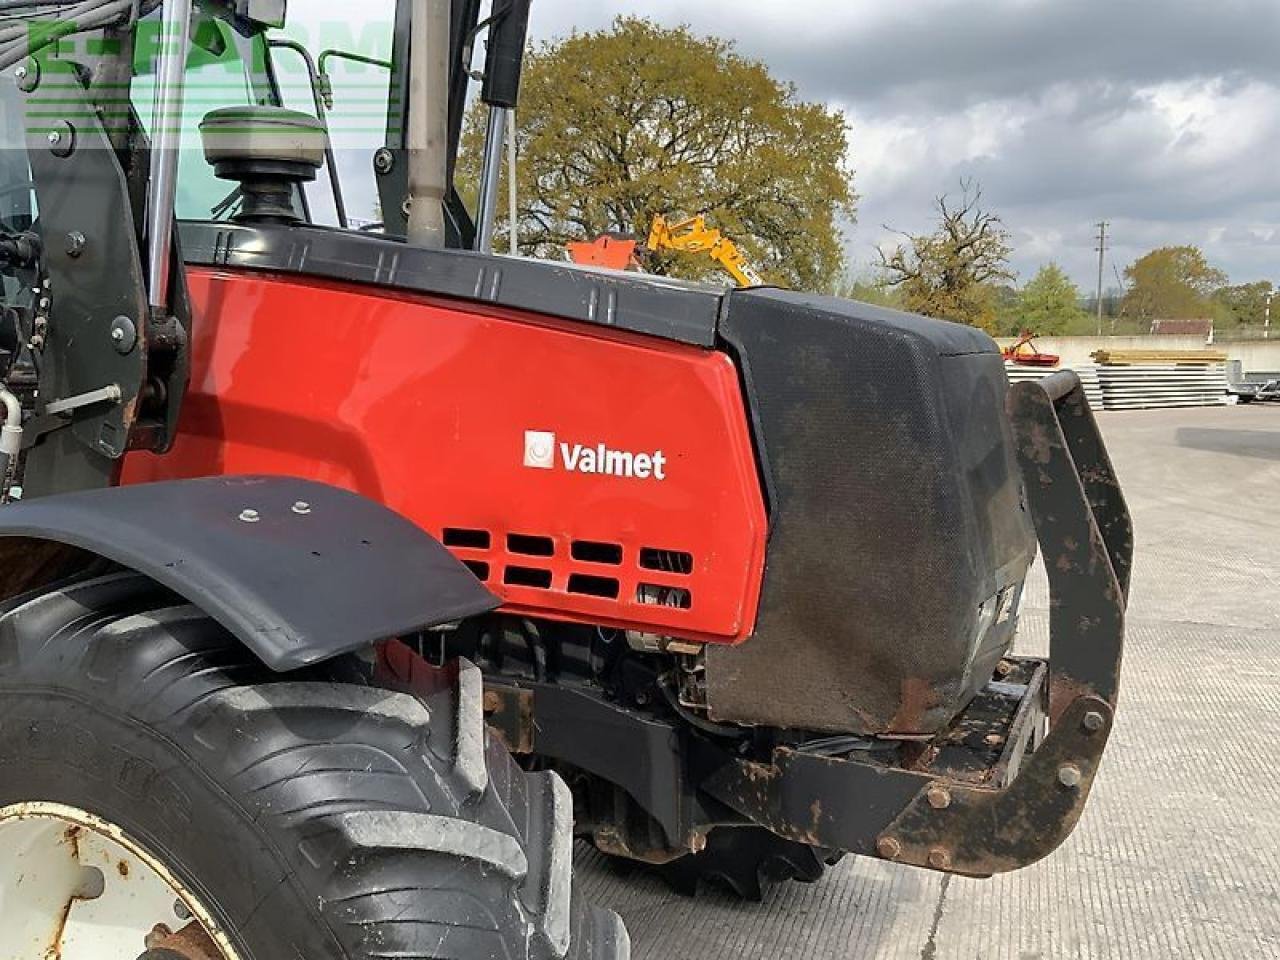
410 833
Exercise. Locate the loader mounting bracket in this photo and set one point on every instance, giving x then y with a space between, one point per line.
300 572
113 372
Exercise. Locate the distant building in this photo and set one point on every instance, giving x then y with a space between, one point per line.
1184 328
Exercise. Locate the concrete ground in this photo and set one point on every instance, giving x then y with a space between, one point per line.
1178 854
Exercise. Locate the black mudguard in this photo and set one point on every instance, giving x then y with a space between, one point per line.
301 572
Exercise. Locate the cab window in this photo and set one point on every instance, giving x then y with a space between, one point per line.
351 56
223 69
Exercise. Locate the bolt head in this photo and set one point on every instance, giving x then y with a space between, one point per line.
62 140
124 335
939 859
302 508
1069 775
939 798
889 848
27 76
249 516
1093 721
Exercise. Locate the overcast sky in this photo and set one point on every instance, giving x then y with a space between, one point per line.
1161 116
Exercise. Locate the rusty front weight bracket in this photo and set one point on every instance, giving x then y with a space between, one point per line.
980 828
978 831
1086 539
1085 535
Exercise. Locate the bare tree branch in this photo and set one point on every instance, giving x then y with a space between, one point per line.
950 273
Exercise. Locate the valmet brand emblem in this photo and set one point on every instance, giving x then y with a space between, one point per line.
543 452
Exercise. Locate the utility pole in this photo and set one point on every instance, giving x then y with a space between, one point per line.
1102 252
1266 318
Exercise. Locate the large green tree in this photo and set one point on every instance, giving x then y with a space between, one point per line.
1171 283
953 272
1244 304
619 125
1050 302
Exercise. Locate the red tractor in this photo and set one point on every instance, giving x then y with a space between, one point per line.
348 574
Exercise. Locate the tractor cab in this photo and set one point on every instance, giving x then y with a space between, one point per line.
353 82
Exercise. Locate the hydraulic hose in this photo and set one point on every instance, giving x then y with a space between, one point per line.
28 27
10 439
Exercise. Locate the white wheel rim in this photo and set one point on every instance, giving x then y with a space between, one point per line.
74 886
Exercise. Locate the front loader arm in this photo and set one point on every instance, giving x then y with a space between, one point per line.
103 332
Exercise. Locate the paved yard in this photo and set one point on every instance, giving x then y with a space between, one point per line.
1178 855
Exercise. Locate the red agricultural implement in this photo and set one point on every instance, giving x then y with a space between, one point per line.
1025 354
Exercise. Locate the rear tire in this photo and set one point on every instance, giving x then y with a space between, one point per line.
311 818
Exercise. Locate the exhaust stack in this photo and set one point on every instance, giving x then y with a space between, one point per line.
428 122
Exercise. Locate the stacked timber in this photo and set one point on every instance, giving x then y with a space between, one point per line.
1148 379
1145 379
1152 385
1135 358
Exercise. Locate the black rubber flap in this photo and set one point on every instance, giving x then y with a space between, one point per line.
300 571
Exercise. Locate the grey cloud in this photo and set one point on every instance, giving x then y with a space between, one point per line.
945 54
953 54
1083 140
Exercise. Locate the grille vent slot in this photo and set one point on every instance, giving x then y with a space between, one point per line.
530 545
666 561
656 595
527 577
591 551
592 586
466 538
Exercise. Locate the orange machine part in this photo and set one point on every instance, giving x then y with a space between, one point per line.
606 251
443 411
